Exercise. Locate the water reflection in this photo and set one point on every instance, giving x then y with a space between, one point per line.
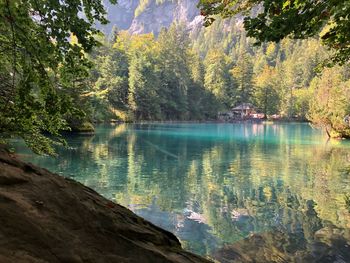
232 191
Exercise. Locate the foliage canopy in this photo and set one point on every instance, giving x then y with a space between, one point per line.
41 68
273 20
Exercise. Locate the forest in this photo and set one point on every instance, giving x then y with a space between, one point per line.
57 76
182 76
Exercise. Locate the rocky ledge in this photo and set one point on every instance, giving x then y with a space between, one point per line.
47 218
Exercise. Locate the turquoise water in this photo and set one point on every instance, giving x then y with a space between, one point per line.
219 186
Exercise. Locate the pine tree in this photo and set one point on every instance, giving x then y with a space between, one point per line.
266 96
242 73
143 98
217 79
175 72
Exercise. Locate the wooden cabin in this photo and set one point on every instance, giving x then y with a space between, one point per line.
244 110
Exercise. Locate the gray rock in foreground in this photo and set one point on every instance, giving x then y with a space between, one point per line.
47 218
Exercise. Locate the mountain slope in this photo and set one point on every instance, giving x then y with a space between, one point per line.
145 16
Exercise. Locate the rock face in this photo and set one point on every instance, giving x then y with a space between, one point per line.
121 15
148 16
47 218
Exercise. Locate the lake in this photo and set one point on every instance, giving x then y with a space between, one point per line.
277 191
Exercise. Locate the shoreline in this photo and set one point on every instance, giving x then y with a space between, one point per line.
206 121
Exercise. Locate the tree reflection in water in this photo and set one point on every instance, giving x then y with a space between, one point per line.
236 192
315 241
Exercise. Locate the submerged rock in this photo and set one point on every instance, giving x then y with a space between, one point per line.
84 127
277 246
47 218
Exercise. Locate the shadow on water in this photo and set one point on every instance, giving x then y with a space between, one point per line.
234 192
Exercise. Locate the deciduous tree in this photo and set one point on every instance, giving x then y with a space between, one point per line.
38 65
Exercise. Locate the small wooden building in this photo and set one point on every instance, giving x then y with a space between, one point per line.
244 110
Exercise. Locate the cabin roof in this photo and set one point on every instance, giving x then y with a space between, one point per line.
244 106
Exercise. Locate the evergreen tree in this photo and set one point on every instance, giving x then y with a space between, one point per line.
242 72
217 79
266 95
175 72
144 82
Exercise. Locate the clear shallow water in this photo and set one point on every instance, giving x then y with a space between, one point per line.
215 185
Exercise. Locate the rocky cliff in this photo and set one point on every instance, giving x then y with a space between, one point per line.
145 16
47 218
